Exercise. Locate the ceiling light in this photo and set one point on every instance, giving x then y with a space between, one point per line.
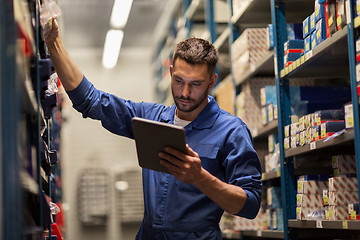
120 13
112 46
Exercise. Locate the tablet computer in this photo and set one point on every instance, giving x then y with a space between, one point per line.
151 137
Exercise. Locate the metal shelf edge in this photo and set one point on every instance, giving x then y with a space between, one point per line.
321 144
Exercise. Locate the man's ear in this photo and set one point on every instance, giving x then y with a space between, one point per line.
171 70
213 80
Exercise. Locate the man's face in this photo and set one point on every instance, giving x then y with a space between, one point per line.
190 86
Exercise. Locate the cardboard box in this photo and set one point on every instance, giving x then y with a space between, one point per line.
293 142
297 44
309 200
345 164
251 39
343 184
270 37
319 93
322 116
270 109
304 213
264 116
338 213
307 44
340 14
274 197
306 27
319 11
312 23
313 39
316 133
329 128
287 131
294 128
268 95
294 31
291 57
305 107
343 198
272 141
312 187
330 17
320 31
349 115
357 72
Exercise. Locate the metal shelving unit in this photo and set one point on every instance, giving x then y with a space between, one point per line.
25 212
322 62
331 59
334 58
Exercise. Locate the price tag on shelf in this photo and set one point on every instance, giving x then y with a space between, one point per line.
345 224
282 73
312 145
286 70
308 55
278 173
262 176
298 62
258 233
290 67
319 224
302 59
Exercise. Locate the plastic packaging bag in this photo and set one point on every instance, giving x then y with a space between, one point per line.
49 9
52 85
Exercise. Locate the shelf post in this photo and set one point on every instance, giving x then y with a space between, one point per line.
210 19
186 4
283 103
353 83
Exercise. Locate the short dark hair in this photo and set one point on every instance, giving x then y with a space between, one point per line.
197 51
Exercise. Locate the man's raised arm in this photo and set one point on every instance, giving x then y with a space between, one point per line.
69 74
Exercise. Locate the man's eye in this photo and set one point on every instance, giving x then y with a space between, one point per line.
196 84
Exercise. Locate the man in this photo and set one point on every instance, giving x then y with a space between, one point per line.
220 171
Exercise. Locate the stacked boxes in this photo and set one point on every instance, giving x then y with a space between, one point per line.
268 104
248 102
293 49
342 192
247 50
327 18
275 211
312 106
309 196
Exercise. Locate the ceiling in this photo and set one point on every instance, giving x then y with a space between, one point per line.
85 22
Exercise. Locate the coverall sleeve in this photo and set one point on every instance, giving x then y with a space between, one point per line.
243 169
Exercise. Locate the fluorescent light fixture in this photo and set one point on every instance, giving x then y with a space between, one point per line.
120 13
121 185
112 46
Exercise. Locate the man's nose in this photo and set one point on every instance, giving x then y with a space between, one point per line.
186 90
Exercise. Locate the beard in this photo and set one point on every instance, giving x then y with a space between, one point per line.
194 103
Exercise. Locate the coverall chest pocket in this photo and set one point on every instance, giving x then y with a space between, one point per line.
208 154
